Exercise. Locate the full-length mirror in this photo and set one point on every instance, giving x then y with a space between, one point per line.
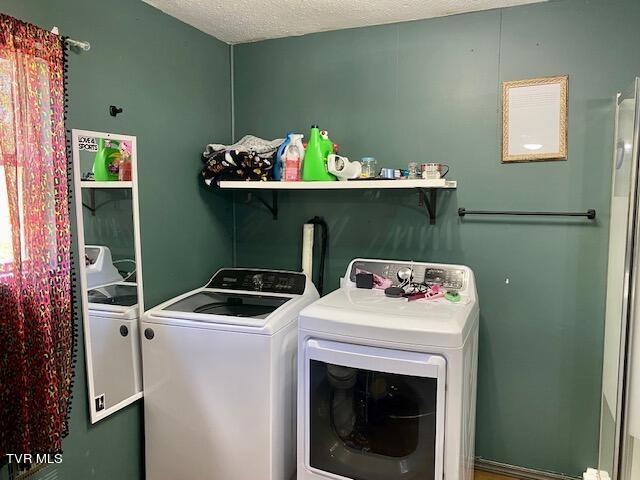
111 278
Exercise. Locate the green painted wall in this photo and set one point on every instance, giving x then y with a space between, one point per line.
173 83
429 91
418 91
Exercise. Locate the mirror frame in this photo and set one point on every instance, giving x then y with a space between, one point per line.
77 179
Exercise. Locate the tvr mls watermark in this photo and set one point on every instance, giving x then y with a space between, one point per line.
34 457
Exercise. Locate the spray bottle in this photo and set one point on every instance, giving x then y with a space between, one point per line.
292 157
278 166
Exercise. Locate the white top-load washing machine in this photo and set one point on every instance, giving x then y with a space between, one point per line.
115 343
219 368
387 386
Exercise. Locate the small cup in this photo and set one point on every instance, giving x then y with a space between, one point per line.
368 167
389 173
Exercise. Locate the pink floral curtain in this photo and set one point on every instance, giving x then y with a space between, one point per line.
36 323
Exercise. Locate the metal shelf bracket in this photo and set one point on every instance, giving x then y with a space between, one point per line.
272 207
428 199
92 202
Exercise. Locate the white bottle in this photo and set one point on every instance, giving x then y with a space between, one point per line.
293 156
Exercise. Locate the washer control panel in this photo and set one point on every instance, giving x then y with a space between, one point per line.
259 281
450 278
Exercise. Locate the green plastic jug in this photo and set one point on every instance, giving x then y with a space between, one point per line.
108 152
314 167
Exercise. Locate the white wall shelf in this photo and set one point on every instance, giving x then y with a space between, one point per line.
427 189
337 185
114 184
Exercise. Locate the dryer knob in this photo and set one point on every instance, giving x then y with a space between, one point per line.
258 282
149 333
124 331
405 274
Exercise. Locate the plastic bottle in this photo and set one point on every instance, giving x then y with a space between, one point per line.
124 170
292 172
278 167
108 153
292 163
314 167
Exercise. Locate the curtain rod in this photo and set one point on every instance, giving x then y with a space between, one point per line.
86 46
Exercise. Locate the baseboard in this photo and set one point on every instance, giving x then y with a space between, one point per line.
519 473
28 471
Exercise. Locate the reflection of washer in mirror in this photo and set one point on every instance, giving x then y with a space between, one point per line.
100 269
113 321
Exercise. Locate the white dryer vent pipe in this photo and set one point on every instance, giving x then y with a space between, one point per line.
307 249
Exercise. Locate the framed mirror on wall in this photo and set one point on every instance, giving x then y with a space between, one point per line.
105 179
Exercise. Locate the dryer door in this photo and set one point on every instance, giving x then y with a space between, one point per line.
373 413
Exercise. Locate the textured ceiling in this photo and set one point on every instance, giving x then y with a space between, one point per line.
241 21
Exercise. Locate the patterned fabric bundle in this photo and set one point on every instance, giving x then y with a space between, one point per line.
251 158
36 321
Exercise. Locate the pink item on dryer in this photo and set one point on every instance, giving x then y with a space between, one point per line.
379 282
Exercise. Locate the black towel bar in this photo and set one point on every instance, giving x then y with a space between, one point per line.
590 214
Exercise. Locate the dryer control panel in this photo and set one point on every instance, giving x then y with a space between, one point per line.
449 277
268 281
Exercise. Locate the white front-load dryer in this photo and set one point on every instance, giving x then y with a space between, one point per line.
219 367
387 386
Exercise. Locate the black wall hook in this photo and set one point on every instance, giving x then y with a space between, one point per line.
114 111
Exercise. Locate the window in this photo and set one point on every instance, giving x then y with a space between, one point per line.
15 179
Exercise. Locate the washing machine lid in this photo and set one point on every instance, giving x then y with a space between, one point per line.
369 314
229 304
238 299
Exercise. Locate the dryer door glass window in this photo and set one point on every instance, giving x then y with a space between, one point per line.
369 425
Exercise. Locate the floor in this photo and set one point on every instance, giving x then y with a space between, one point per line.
480 475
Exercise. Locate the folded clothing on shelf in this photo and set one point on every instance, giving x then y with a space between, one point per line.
248 143
251 158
